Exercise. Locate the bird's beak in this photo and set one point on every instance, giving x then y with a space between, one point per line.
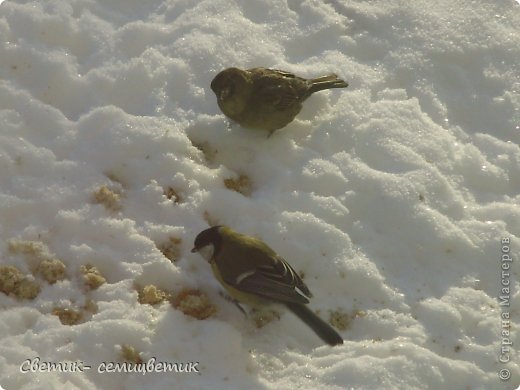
194 250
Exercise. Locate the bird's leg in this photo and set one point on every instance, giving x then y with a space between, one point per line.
240 308
229 299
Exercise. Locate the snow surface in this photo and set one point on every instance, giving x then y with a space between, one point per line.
391 196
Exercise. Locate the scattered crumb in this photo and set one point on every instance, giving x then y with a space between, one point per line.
457 348
241 185
10 277
194 303
12 281
129 354
152 295
341 320
264 317
40 259
91 276
34 250
171 249
68 316
108 198
52 270
170 193
27 289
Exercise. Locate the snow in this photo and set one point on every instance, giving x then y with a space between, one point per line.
394 197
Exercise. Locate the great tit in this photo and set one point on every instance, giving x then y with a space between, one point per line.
254 274
266 99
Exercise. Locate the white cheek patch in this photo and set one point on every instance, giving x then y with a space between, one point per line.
207 252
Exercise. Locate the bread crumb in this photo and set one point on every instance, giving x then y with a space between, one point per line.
194 303
40 259
129 354
68 316
242 185
108 198
52 270
341 320
91 276
152 295
171 249
12 281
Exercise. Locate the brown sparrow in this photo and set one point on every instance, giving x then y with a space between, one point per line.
267 99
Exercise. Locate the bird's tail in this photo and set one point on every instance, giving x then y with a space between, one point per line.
326 332
327 82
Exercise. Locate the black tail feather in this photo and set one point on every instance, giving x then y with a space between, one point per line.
326 332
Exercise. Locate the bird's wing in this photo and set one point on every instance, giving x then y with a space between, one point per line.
261 285
277 281
279 96
268 72
289 275
284 73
